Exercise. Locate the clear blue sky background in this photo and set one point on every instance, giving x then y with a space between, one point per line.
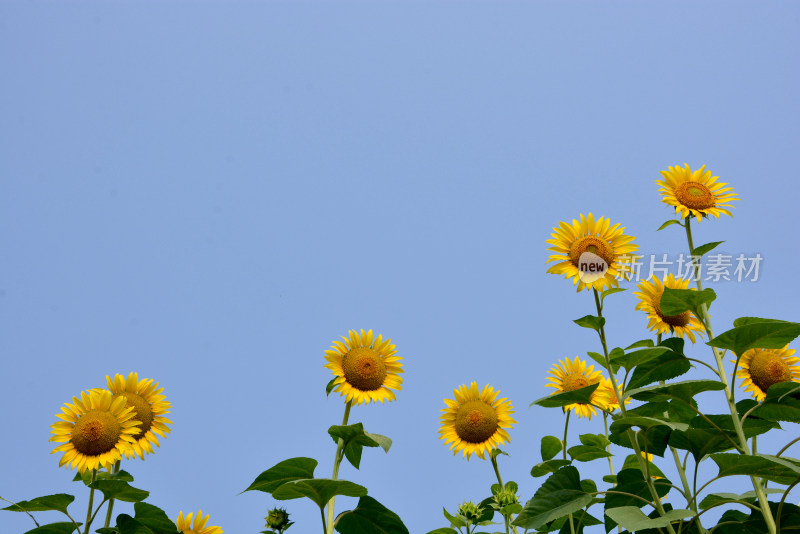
209 193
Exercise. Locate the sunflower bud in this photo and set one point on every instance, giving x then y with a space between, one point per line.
506 497
278 519
469 511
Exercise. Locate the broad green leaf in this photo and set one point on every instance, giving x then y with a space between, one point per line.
750 497
580 520
550 466
741 321
587 453
673 411
705 249
597 357
55 528
560 495
594 440
761 465
455 520
633 519
781 404
370 516
630 360
444 530
591 321
642 343
583 395
654 440
788 522
767 334
119 490
631 462
58 502
663 367
632 481
128 525
319 490
610 291
683 391
86 476
551 446
669 223
283 472
703 438
624 423
154 518
677 301
355 439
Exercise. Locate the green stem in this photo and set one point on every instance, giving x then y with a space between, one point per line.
324 526
608 447
502 487
114 471
737 423
564 453
337 460
91 503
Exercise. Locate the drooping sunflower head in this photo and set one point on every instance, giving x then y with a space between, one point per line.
149 408
475 421
760 369
185 525
569 376
365 367
649 295
591 252
605 398
95 430
695 193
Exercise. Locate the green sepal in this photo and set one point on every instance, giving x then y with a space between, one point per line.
551 446
329 386
283 472
677 301
369 516
560 495
58 502
756 333
319 490
355 439
582 395
119 490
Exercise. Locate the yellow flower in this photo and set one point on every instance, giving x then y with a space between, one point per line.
604 396
579 248
149 408
185 525
569 376
761 368
476 421
685 324
366 369
695 193
95 431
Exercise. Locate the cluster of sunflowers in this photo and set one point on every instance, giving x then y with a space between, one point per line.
104 426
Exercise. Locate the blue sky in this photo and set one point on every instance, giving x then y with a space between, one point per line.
209 193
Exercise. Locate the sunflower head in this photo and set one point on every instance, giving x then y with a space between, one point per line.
278 519
591 252
475 421
470 511
149 408
649 295
185 525
95 430
762 368
605 398
569 376
365 367
695 193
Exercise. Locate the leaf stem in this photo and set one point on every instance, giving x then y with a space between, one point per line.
114 470
91 503
337 460
27 512
608 447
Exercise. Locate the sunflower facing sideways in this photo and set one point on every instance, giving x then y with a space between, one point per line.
149 408
366 368
185 525
570 244
695 193
569 376
649 295
95 431
762 368
475 421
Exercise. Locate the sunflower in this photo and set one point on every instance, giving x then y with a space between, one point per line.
476 421
149 408
684 324
185 525
568 376
593 253
695 193
762 368
366 369
95 430
604 396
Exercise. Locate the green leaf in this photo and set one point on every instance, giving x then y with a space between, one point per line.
329 386
591 321
663 367
455 520
355 439
677 390
750 497
560 495
632 481
766 334
677 301
58 502
319 490
282 473
669 223
128 525
587 453
610 291
705 249
55 528
631 359
631 462
633 519
673 411
741 321
642 343
654 440
154 518
703 438
550 466
497 452
583 395
370 516
782 403
624 423
444 530
594 440
599 358
580 520
551 446
119 490
772 468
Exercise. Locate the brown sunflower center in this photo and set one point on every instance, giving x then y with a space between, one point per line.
95 432
673 320
592 244
571 382
364 369
694 195
476 421
767 369
142 410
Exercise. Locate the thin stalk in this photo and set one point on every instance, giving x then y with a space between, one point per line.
564 452
91 503
737 423
27 512
114 471
502 486
608 447
324 526
337 460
